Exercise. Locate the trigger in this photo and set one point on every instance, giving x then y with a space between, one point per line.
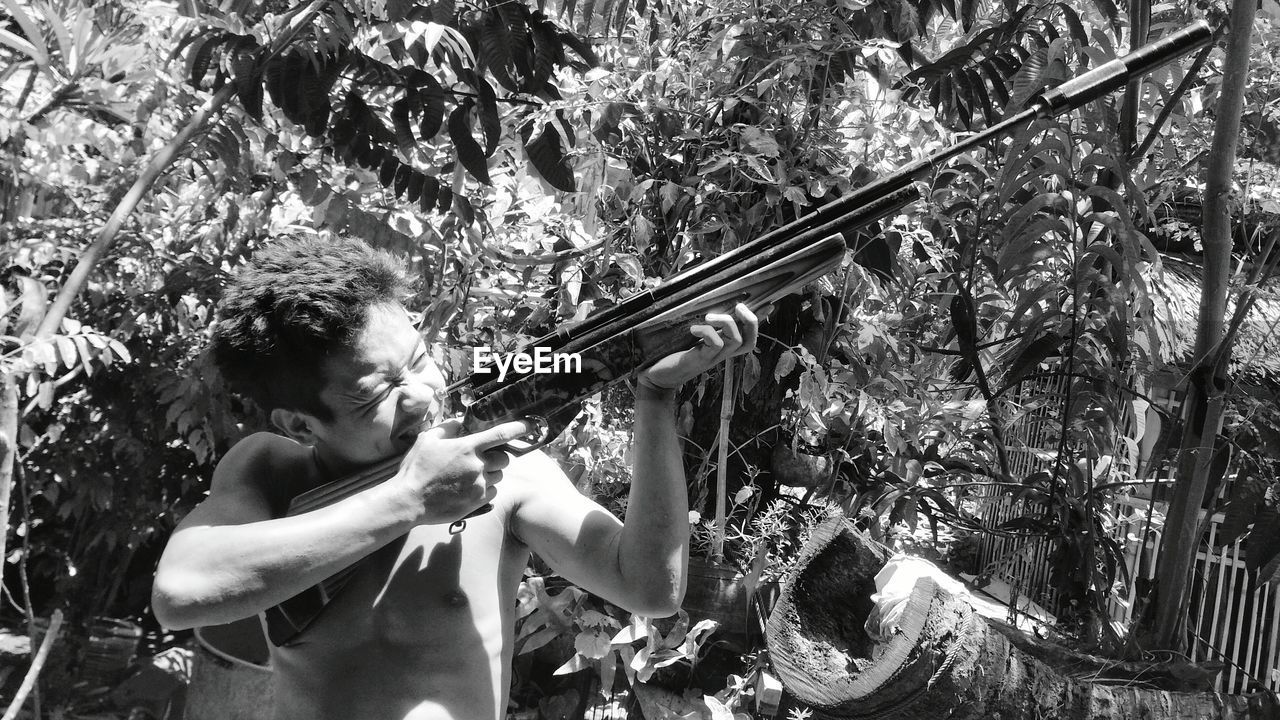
539 434
532 440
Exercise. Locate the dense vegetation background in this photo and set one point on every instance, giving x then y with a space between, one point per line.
534 162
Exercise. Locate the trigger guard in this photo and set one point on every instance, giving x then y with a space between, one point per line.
540 432
532 440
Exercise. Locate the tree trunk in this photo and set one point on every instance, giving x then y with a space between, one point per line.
1203 404
947 661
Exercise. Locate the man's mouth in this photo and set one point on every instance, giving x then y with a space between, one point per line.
408 434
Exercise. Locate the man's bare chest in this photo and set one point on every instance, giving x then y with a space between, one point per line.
429 587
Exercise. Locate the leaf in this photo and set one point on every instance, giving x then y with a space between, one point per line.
1112 13
548 159
979 96
430 192
41 352
44 395
314 97
490 123
1263 548
370 156
786 365
311 189
997 79
961 96
82 344
431 99
1031 356
20 44
403 176
283 84
442 11
515 28
67 350
580 46
34 302
1242 509
247 76
414 189
968 14
469 151
198 59
574 664
539 638
547 52
719 711
964 321
495 50
759 142
608 669
387 172
400 111
1074 25
1028 80
276 74
635 630
874 254
36 48
592 644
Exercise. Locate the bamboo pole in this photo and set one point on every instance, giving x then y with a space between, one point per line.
722 463
1204 398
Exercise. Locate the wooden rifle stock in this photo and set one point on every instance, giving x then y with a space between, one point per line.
622 340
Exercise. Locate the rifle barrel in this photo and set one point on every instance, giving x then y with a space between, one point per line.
869 202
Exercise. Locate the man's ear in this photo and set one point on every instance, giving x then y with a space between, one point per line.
295 424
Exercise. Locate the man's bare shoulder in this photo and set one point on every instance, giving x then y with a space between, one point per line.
264 468
545 502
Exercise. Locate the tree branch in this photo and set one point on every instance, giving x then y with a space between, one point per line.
28 682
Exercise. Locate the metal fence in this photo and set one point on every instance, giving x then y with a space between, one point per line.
1231 621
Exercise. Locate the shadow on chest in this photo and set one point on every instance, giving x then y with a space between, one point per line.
428 572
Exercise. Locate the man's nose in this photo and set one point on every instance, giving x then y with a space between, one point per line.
418 395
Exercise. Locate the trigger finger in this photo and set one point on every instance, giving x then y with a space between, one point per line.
728 329
749 324
710 338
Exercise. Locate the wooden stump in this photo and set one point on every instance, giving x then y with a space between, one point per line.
945 660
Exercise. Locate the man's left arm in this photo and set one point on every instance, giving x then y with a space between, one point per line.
640 563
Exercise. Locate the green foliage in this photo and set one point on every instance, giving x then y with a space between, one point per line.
600 641
996 69
375 86
534 165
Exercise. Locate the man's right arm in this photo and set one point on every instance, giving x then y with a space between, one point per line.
231 557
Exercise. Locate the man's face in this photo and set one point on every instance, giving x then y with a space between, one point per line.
383 390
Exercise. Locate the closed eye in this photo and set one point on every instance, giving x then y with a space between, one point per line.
371 402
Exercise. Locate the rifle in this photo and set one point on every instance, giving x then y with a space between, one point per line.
619 342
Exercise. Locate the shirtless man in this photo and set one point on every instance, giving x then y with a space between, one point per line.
424 629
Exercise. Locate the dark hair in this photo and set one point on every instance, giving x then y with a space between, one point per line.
296 302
